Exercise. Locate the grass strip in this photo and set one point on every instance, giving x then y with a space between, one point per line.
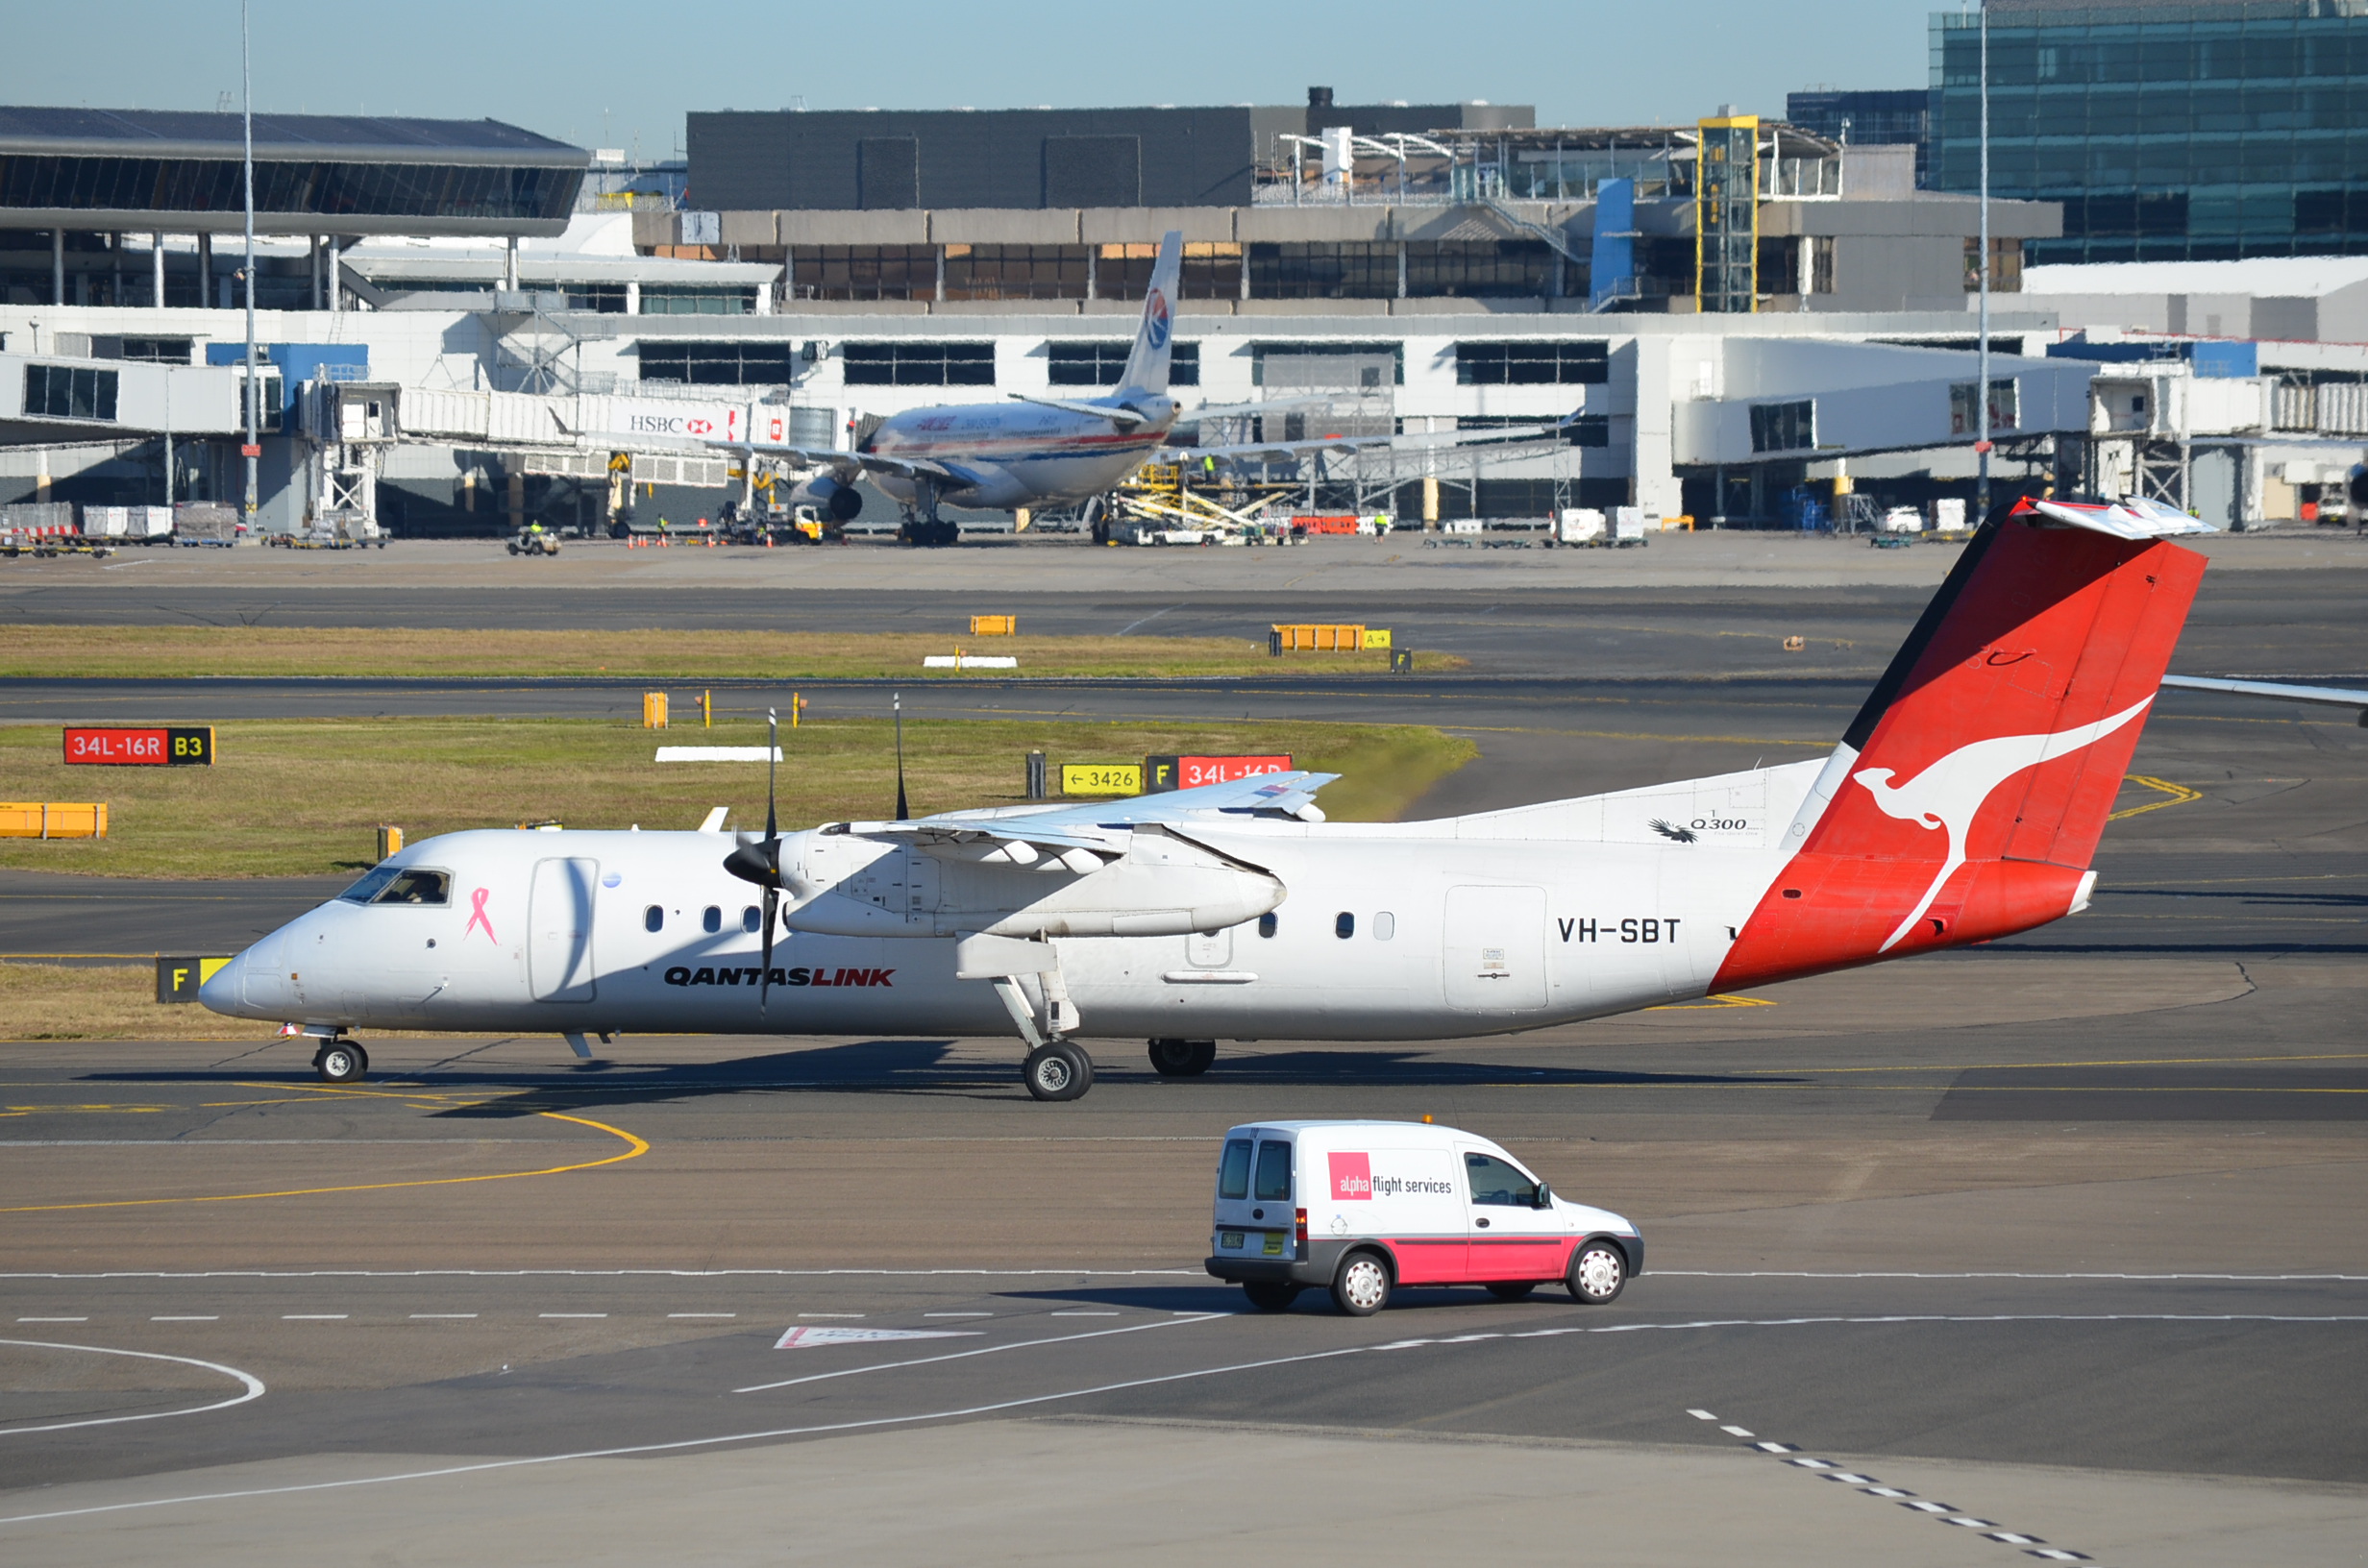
289 798
167 652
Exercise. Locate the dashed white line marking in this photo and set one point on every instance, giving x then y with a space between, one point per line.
830 1315
702 1315
1702 1415
1735 1431
442 1315
53 1320
1083 1313
1973 1524
1886 1491
957 1314
314 1317
1923 1506
571 1314
187 1319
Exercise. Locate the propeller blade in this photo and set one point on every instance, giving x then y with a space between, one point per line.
772 749
903 814
752 861
773 908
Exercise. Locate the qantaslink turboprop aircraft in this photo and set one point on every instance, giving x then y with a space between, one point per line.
1963 803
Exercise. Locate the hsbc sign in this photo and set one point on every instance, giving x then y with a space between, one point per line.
725 422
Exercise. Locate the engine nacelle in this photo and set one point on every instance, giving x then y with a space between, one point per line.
829 497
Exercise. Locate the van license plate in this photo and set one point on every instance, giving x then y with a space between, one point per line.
1230 1240
1274 1244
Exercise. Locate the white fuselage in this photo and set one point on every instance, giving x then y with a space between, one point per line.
1006 455
1467 926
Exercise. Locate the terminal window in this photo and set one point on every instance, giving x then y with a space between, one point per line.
1210 270
1784 427
862 272
919 364
69 392
1533 363
1016 272
1101 364
717 364
691 299
173 185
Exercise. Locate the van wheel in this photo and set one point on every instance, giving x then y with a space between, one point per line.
1271 1296
1597 1272
1182 1058
1362 1286
1512 1289
1057 1070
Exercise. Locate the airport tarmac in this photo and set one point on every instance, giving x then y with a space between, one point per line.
2048 1247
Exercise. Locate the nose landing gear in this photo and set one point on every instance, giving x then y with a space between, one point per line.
341 1062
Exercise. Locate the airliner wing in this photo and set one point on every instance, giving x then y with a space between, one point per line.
1126 419
2334 696
1096 826
902 468
1276 451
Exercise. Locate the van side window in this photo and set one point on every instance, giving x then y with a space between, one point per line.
1273 1173
1233 1170
1497 1184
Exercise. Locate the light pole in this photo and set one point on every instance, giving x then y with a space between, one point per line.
246 88
1980 388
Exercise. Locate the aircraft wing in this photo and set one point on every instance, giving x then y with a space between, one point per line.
1104 824
1126 419
2333 696
1278 451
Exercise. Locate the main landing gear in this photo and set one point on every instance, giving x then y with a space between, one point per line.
1183 1058
340 1062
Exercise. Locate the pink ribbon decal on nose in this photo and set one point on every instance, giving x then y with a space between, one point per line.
476 916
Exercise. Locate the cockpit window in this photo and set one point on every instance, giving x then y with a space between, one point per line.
414 884
367 889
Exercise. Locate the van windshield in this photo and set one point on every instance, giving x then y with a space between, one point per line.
1273 1173
1496 1183
1233 1170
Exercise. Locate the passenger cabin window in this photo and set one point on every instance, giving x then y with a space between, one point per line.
712 921
1343 926
752 917
653 918
1233 1170
414 886
1498 1184
1273 1173
1266 925
1385 927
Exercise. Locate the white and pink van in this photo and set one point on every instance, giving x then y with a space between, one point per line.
1363 1206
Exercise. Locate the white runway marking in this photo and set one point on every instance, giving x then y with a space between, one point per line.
443 1314
704 1314
189 1319
314 1317
53 1320
961 1412
253 1387
957 1314
571 1315
1081 1313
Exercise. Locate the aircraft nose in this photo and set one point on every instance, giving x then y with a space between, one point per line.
222 991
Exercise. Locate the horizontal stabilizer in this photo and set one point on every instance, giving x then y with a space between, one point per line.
2131 518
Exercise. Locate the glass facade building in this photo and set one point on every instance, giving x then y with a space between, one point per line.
2168 131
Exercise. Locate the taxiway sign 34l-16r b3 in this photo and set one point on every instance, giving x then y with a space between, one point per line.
1965 802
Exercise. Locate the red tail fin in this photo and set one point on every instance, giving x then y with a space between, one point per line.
1968 796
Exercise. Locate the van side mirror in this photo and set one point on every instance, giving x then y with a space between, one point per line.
1545 1198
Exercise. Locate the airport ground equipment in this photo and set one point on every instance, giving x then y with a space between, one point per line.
1965 802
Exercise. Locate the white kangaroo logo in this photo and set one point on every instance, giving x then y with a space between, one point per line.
1950 793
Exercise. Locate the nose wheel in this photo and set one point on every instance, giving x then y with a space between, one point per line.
1057 1070
341 1062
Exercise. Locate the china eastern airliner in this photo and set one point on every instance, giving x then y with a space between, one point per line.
1965 802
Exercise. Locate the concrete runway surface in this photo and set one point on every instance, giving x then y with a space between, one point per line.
2046 1250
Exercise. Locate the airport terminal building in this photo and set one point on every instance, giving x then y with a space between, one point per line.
1731 349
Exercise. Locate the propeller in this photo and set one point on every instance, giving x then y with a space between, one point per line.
760 861
903 814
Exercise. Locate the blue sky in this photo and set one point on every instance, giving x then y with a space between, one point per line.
605 72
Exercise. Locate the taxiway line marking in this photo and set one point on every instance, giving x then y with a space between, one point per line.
253 1387
638 1149
2178 796
982 1350
874 1423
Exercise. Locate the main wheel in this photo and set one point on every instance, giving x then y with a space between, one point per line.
1597 1272
340 1063
1512 1289
1362 1286
1182 1058
1057 1070
1271 1296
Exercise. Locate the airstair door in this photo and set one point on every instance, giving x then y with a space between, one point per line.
1495 950
559 930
